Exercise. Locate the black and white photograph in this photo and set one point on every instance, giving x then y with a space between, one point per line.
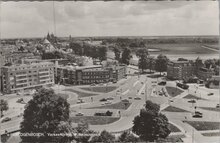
80 71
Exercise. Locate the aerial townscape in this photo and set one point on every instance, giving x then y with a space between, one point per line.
110 89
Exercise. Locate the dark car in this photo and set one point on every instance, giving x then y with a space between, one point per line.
197 112
6 119
103 100
137 98
210 94
110 98
217 106
192 101
162 83
197 116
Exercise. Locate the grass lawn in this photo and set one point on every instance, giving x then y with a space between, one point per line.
173 91
190 96
174 109
211 109
211 134
102 89
80 94
201 126
119 105
94 120
173 128
65 96
172 139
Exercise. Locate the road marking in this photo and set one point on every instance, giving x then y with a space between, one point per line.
135 83
125 92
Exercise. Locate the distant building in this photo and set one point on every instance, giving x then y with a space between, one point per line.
204 73
89 74
26 76
180 69
15 57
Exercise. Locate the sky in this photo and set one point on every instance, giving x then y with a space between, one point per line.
115 18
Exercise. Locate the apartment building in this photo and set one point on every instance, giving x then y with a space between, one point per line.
26 76
89 74
180 70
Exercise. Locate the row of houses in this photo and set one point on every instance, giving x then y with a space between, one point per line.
37 73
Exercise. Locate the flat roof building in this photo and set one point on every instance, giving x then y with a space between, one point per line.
26 76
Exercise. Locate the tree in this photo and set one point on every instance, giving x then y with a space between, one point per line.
161 63
117 53
127 137
126 56
103 53
151 125
47 113
198 63
150 63
142 62
105 137
4 106
209 63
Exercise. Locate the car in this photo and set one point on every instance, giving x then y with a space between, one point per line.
6 119
162 83
197 116
210 94
103 100
20 100
154 82
170 100
129 97
80 101
217 106
108 102
142 93
137 98
93 84
79 114
110 98
192 101
197 112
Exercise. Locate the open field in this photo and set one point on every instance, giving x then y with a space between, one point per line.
174 128
65 96
172 91
201 126
94 120
119 105
174 109
80 94
190 96
102 89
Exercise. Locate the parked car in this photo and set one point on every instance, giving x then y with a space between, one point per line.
182 85
108 102
197 114
162 83
20 100
6 119
79 114
129 97
93 84
80 101
110 98
103 100
210 94
217 106
192 101
137 98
